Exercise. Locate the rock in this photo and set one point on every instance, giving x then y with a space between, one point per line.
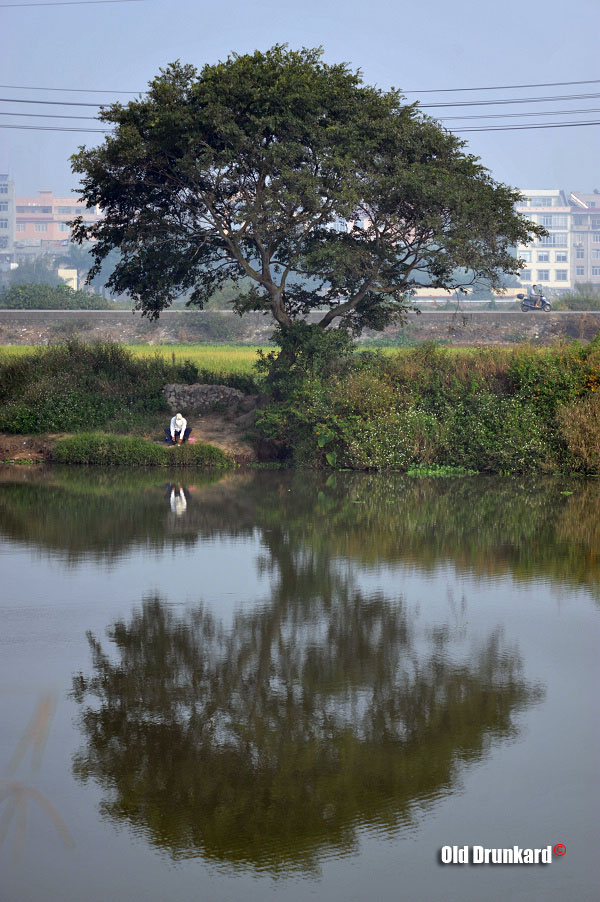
201 398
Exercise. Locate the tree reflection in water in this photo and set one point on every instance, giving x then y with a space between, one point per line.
270 743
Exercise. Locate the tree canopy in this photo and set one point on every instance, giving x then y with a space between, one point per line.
290 174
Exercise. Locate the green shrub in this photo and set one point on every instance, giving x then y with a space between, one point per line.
499 435
120 450
70 386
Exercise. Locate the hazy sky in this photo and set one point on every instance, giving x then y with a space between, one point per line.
416 46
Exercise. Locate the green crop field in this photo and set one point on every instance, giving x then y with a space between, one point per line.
216 358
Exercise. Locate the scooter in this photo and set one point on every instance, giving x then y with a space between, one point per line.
539 303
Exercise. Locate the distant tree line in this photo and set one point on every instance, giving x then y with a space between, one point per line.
38 296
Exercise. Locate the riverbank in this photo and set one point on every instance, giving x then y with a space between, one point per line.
493 410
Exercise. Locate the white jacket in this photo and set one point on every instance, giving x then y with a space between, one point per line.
174 428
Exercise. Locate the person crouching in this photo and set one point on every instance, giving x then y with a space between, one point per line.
178 432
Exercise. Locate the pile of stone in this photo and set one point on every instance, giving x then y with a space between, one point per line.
196 399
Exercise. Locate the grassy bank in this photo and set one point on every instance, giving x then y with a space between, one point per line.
497 410
519 410
119 450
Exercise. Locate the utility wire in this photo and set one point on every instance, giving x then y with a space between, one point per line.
510 128
452 118
49 102
55 128
69 90
441 119
68 3
93 118
547 84
494 128
421 107
426 106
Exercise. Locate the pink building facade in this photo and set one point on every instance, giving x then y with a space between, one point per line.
42 222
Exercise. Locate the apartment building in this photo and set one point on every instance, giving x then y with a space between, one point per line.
548 262
585 237
42 223
7 222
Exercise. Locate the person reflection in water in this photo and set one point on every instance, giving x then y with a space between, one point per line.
177 499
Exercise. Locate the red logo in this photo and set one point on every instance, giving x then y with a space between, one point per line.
559 850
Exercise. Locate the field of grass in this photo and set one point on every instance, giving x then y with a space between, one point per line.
217 358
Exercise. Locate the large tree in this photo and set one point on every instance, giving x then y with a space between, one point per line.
319 191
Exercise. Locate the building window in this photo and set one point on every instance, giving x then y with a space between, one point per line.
561 256
580 253
562 275
596 237
41 226
525 275
596 253
3 189
525 255
33 208
555 239
543 257
543 274
21 227
3 223
596 270
539 201
4 205
578 219
554 221
63 227
595 222
580 270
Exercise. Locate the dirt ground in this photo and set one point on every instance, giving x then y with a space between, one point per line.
25 447
226 433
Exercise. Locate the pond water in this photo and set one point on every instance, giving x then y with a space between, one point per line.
287 685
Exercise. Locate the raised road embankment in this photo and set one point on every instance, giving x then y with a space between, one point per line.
460 327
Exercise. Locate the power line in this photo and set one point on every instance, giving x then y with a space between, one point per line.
483 115
494 128
421 107
510 128
55 128
441 119
68 90
63 116
68 3
426 106
49 102
547 84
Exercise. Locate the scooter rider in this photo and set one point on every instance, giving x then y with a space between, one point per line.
535 296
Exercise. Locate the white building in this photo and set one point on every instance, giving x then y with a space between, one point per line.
547 261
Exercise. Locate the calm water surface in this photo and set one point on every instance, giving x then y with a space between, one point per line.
289 686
